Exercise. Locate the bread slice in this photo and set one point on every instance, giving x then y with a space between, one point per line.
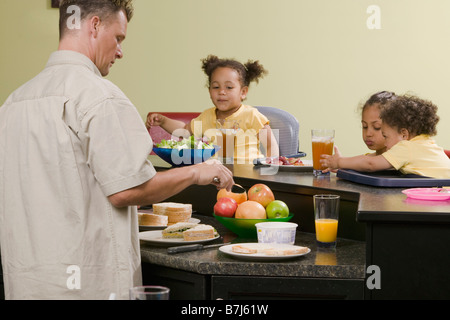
176 212
285 251
267 249
176 230
151 219
243 249
250 248
199 232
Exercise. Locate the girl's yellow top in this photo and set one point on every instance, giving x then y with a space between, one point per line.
249 123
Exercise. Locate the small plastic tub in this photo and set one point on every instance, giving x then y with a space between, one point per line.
276 232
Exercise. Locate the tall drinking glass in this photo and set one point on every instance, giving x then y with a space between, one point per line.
322 143
226 139
326 216
149 293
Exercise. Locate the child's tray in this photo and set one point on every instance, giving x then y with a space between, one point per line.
391 178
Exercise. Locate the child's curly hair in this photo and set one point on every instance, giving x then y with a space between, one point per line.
416 115
248 72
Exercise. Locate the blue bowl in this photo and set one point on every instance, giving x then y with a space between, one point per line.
185 157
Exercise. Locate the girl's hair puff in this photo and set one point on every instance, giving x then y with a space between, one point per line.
248 72
380 99
417 115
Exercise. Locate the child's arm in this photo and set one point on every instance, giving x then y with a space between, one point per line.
358 163
269 142
168 124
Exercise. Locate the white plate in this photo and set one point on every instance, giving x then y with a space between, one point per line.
155 237
261 256
150 228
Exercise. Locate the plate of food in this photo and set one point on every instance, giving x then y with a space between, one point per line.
185 152
286 163
440 194
264 251
181 233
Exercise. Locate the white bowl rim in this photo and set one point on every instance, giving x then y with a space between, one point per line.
276 225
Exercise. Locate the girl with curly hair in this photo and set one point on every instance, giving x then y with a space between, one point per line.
371 121
228 83
408 123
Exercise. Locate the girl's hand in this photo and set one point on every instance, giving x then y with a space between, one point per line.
331 162
155 119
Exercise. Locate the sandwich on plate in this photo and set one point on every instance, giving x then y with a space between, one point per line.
175 212
189 231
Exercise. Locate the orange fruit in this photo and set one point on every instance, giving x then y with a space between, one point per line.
250 210
238 197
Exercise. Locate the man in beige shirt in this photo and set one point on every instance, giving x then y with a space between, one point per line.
73 167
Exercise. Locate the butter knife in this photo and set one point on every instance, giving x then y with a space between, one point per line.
193 247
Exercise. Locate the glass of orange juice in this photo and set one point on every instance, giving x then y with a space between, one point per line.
322 143
326 216
226 139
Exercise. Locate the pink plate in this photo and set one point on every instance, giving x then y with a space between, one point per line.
428 193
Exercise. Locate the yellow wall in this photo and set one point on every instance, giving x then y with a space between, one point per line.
322 58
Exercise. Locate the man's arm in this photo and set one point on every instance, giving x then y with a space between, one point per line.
168 183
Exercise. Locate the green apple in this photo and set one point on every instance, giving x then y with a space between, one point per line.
277 209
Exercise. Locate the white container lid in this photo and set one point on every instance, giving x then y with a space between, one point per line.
276 225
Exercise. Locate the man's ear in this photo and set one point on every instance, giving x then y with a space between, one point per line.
94 24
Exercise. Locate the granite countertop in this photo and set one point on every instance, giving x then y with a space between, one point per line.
373 203
347 261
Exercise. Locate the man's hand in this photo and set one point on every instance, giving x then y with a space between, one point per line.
213 172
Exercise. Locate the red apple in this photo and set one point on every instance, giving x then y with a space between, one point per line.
261 193
225 207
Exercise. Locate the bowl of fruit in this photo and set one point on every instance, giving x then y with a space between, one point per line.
240 211
185 152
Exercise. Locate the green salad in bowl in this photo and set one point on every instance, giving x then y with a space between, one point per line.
186 143
185 152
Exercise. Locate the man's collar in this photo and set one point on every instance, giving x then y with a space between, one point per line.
72 57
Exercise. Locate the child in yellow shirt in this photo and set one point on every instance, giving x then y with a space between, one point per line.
228 82
408 123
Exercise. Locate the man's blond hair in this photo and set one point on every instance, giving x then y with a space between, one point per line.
88 8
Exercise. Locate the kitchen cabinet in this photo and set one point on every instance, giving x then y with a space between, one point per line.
184 285
191 286
412 253
259 288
